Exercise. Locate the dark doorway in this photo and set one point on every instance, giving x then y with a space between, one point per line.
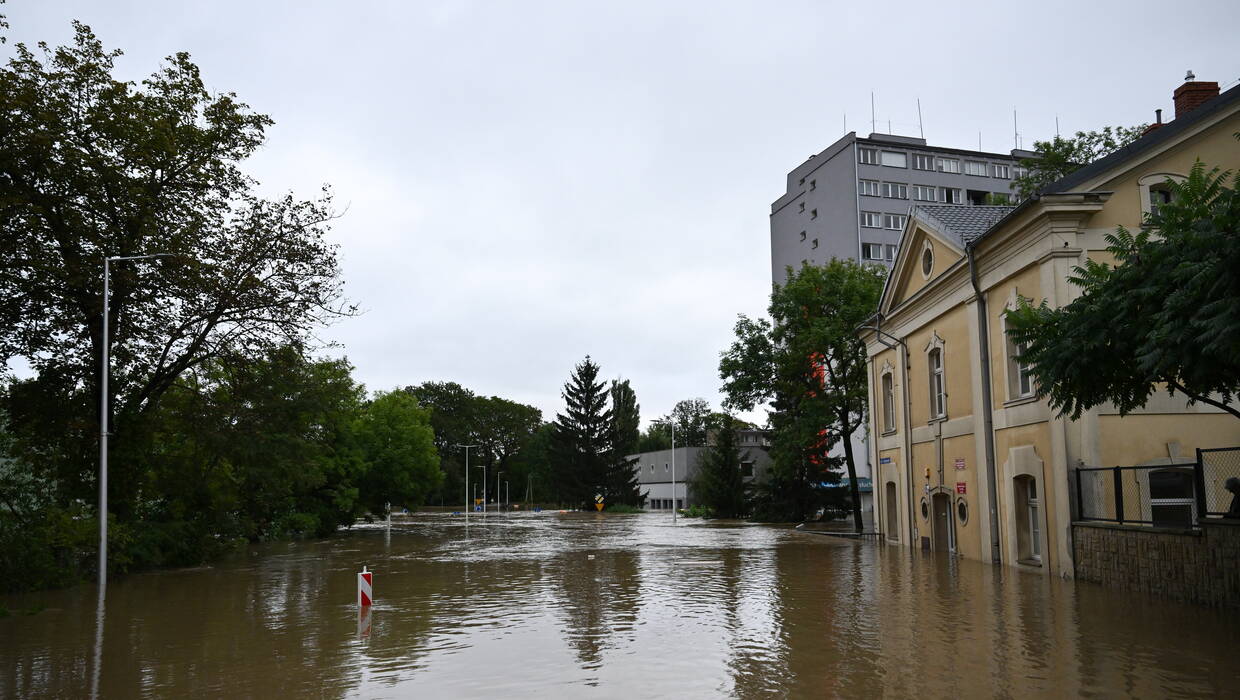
944 540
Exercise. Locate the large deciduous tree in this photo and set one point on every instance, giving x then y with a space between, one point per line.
90 167
810 364
395 439
1167 313
1061 156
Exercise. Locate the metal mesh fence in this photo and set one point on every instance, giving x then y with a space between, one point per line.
1162 495
1217 466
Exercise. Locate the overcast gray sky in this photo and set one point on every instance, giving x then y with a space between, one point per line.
531 182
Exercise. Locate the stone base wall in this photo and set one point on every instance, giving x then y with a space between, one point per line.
1194 566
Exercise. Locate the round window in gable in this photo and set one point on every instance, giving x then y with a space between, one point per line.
925 510
962 511
927 261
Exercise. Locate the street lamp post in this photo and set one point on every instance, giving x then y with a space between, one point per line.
467 503
483 467
499 503
672 424
103 412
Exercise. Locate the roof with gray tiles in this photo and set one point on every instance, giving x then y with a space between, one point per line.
962 223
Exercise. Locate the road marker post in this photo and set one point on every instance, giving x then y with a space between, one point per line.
365 596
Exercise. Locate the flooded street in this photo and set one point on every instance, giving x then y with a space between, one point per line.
607 606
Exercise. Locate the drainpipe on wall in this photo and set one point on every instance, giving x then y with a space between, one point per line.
988 422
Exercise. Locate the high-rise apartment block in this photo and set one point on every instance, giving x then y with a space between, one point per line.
852 199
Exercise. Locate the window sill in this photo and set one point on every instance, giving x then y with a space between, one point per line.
1020 401
937 419
888 433
1030 562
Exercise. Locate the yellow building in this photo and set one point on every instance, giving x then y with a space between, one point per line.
967 458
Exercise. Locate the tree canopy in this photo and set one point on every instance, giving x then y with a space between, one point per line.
1061 156
719 483
809 363
585 458
1166 314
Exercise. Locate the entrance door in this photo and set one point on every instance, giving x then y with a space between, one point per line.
944 540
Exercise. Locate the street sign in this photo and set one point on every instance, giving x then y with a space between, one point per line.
960 462
961 487
598 501
884 460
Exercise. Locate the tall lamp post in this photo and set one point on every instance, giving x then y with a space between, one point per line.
103 411
467 503
672 424
499 502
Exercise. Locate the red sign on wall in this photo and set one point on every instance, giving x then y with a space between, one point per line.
960 487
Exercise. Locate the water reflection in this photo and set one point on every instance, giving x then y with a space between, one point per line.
529 604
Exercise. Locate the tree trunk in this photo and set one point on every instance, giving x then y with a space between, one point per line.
853 488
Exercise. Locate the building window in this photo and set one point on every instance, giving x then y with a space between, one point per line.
951 195
802 182
925 193
813 185
895 159
889 404
927 262
802 206
815 243
865 156
972 167
1156 191
1000 198
1159 195
938 395
1019 172
890 504
947 165
868 187
895 190
1020 376
999 171
872 251
813 214
891 252
894 222
923 162
871 219
666 467
802 235
1028 519
746 470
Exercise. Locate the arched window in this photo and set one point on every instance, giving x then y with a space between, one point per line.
889 403
893 518
938 391
1155 191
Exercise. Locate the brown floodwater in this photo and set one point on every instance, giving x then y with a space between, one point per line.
607 606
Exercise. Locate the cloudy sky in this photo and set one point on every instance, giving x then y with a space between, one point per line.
530 182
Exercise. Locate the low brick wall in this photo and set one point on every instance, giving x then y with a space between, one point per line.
1195 566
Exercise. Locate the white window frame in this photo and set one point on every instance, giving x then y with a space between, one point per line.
868 248
891 249
951 195
923 159
814 245
888 384
866 156
894 222
894 157
975 165
1033 505
947 165
871 219
1019 379
1001 171
937 377
925 193
895 190
1148 184
868 188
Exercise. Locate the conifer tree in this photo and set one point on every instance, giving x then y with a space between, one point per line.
582 440
719 484
627 415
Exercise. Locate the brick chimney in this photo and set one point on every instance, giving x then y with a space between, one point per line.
1192 94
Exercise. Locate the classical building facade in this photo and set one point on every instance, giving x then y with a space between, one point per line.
967 458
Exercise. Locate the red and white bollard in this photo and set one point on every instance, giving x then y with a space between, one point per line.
365 597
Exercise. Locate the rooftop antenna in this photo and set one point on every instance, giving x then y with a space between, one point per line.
873 120
1189 76
979 140
921 127
845 121
889 127
1056 126
1015 131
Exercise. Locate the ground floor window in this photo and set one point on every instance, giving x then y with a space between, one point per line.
1028 519
893 517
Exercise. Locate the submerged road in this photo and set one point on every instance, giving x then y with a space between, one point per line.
608 606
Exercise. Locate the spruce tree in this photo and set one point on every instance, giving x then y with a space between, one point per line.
627 416
719 484
583 437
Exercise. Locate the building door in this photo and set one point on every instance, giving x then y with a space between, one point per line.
944 536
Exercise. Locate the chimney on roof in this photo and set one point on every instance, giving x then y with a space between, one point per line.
1192 94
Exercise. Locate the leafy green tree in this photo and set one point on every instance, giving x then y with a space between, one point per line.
93 167
719 484
1061 156
811 366
532 479
692 417
584 458
454 421
1167 313
395 439
657 436
627 415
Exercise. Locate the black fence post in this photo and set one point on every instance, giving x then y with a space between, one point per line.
1200 486
1119 495
1080 502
